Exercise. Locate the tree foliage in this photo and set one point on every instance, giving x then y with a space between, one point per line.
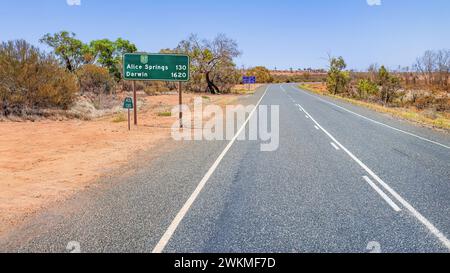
367 87
95 80
212 66
109 54
338 79
31 80
71 52
261 73
389 85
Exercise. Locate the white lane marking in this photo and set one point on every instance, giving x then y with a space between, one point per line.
317 128
306 116
382 194
159 248
441 237
376 122
335 146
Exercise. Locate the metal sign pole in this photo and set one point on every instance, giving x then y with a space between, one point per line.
128 104
135 103
129 120
181 103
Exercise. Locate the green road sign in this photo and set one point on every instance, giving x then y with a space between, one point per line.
156 67
128 103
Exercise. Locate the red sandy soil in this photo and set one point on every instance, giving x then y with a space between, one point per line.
48 161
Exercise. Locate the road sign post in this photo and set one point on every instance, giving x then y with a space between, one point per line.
249 80
135 104
128 104
156 67
180 94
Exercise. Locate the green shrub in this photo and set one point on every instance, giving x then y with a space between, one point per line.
337 79
96 80
367 88
31 80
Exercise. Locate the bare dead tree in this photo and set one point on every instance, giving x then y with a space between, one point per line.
434 66
210 58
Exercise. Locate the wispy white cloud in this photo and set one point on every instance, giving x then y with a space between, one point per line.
374 2
74 2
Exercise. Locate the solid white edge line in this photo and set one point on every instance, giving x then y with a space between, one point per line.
159 248
436 232
382 194
335 146
374 121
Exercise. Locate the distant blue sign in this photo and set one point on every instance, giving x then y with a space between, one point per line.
249 79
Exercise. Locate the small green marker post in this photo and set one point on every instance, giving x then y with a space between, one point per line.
128 104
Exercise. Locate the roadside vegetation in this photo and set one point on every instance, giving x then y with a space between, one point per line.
84 79
76 78
422 95
212 67
264 75
300 75
31 80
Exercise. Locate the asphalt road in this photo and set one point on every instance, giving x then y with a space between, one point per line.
344 179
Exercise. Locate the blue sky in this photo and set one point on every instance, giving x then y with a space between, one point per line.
282 33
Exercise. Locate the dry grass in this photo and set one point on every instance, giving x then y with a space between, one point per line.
120 117
245 89
165 114
441 121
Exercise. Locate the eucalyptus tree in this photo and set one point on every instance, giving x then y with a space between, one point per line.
212 62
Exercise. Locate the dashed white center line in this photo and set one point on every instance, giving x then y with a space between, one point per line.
434 230
382 194
335 146
317 128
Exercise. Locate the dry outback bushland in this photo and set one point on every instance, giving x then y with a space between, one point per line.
62 125
422 95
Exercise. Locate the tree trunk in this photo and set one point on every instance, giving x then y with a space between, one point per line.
5 110
68 64
336 86
212 88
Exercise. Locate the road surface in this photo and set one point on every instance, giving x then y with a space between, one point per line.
344 179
